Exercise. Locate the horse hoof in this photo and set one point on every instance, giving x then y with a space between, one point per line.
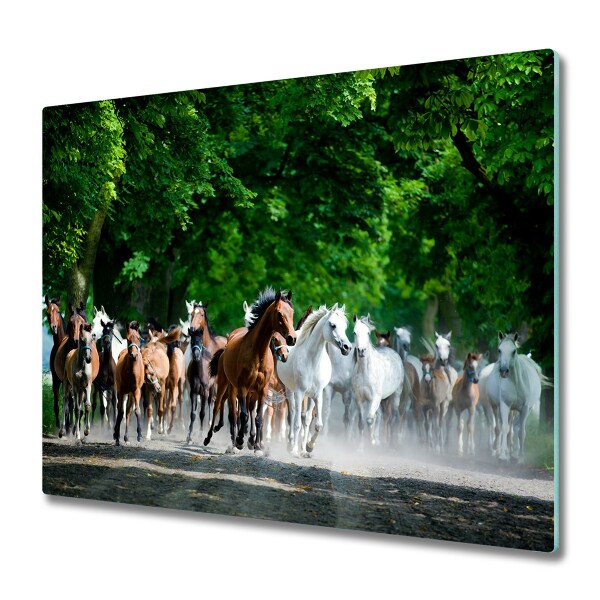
217 427
306 455
258 452
250 445
189 439
126 438
309 448
61 433
239 446
206 441
117 442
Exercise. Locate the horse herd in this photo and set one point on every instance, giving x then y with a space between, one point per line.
279 379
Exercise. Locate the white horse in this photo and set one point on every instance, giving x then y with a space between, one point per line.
513 383
378 377
118 342
342 369
308 370
402 341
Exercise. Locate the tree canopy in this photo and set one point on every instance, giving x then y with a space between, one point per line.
421 194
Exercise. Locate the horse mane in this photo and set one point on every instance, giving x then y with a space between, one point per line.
171 337
213 365
310 324
261 304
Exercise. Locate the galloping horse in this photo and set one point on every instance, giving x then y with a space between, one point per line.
383 338
244 367
433 401
130 378
59 332
465 396
175 379
378 377
81 368
275 407
106 382
513 383
308 370
69 342
208 345
156 371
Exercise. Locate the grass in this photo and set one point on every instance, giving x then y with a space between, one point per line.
539 446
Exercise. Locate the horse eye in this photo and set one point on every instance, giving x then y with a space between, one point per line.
332 325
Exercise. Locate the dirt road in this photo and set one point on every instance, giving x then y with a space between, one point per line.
388 491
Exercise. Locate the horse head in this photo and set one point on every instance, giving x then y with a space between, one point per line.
279 347
383 338
283 317
362 331
471 367
107 334
86 341
304 317
427 362
133 340
403 338
196 345
53 314
335 330
442 344
507 350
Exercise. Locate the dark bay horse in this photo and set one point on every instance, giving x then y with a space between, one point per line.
59 332
175 379
106 382
244 368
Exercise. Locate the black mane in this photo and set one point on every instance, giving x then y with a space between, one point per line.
264 300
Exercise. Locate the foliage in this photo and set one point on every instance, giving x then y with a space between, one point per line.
380 189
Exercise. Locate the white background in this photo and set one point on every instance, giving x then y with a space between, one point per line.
63 52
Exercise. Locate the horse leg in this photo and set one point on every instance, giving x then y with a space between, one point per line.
252 415
77 427
88 406
63 426
295 412
172 406
459 430
258 411
239 441
471 431
138 413
194 408
118 419
204 398
146 406
55 393
306 424
319 425
222 388
504 414
327 398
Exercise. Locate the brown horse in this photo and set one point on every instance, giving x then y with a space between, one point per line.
69 342
59 332
130 378
244 368
275 407
175 380
106 382
156 368
81 368
383 338
465 396
433 401
410 399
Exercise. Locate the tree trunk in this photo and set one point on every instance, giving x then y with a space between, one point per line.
81 274
450 319
429 317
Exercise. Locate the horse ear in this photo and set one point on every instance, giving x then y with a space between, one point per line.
102 308
71 308
278 296
245 306
81 305
289 296
448 335
46 301
205 305
334 307
95 311
500 336
437 335
516 336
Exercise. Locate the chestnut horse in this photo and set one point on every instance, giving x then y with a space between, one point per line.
465 396
156 369
130 378
81 368
175 379
59 332
433 401
244 368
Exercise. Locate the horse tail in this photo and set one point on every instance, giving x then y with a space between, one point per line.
213 366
